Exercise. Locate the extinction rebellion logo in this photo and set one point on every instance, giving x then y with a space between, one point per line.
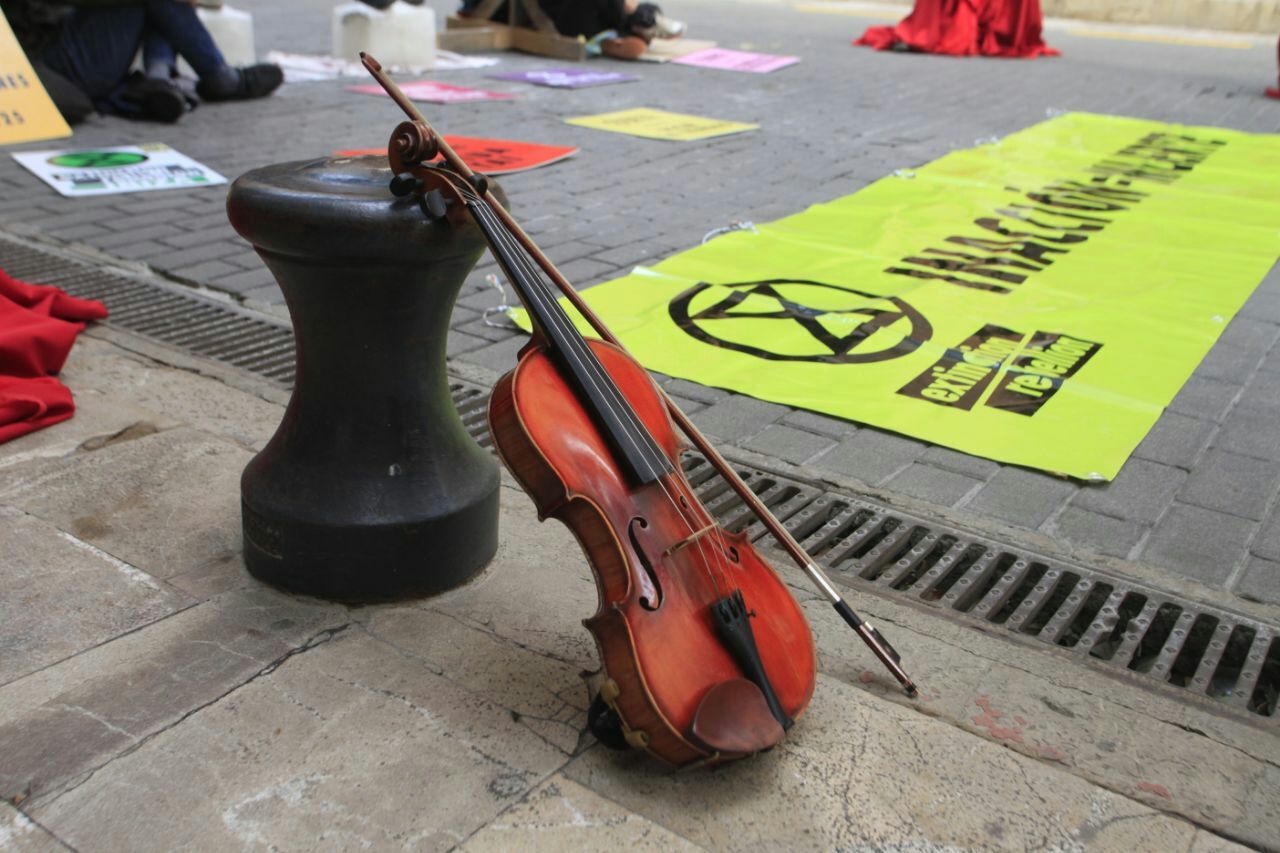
816 322
1026 372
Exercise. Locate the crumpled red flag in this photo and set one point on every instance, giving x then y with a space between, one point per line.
1009 28
38 325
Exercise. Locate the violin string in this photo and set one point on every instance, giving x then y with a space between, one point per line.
716 565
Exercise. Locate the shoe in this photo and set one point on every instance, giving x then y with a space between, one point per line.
667 28
252 81
1273 92
155 99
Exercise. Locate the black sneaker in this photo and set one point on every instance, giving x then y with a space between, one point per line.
155 99
253 81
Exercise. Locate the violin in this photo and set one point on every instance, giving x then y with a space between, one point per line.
706 655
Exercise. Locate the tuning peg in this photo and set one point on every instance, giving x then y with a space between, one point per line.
405 183
434 204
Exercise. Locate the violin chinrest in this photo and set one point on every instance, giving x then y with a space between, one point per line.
734 719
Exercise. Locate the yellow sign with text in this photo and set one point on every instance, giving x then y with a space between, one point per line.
1036 301
26 112
660 124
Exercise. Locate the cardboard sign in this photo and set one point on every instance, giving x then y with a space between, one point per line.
736 60
435 93
26 112
1037 301
492 156
122 169
660 124
566 78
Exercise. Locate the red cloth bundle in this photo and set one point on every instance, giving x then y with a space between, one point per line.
38 325
967 28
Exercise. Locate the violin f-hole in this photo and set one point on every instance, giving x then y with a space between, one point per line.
651 599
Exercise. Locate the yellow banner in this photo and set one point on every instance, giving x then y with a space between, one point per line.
660 124
1037 301
26 112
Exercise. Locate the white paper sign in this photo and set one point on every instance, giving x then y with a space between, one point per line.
122 169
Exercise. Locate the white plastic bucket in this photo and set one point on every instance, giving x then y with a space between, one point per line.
400 35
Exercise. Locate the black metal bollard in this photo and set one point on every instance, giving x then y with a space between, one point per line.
371 488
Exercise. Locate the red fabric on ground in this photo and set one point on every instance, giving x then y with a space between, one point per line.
1008 28
38 325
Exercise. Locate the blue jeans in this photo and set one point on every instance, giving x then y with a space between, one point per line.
96 46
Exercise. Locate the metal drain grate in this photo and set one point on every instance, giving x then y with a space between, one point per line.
1107 620
204 326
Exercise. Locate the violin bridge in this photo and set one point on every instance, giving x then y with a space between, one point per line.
689 540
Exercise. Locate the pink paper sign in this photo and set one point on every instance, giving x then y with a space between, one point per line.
737 60
436 93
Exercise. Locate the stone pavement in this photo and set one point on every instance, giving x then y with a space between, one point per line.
153 696
1198 499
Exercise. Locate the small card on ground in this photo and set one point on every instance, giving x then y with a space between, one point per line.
492 156
736 60
121 169
566 78
660 124
435 93
665 50
27 114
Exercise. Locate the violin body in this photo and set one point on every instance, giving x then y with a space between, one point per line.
661 564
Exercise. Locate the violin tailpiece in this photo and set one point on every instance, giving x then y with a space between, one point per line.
733 624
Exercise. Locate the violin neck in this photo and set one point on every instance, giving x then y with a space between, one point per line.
633 447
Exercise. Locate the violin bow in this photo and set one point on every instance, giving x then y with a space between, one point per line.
869 635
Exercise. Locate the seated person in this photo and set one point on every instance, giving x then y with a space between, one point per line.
587 18
82 51
1009 28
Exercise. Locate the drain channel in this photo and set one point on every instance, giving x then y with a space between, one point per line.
1107 620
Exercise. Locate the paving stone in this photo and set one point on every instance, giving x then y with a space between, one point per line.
1230 483
249 281
793 445
111 240
1229 363
175 261
1206 399
1198 543
562 815
737 417
586 271
65 720
1260 581
1175 440
1140 492
317 777
500 356
936 485
1251 334
961 463
91 597
1022 498
1267 543
19 834
1251 432
872 456
820 424
209 270
694 391
904 778
1098 533
165 503
1262 393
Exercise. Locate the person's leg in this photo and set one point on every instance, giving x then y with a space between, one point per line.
96 46
159 59
179 26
